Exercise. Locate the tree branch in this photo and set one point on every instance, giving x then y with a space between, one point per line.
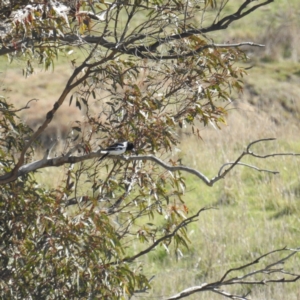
20 109
199 50
15 173
239 14
61 160
74 39
267 270
222 174
167 236
220 25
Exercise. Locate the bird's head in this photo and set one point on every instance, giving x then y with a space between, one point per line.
130 146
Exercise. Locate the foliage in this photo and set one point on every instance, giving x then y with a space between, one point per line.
152 71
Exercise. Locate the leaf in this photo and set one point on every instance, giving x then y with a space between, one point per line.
71 99
78 104
76 128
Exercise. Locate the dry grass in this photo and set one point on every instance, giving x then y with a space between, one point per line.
256 212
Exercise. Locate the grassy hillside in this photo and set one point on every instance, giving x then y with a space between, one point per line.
256 212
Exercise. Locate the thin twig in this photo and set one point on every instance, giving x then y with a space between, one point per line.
167 236
217 285
246 165
22 108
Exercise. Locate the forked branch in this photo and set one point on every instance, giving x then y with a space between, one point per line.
126 45
66 159
184 223
74 81
273 270
222 173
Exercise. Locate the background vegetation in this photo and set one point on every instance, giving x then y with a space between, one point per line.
256 212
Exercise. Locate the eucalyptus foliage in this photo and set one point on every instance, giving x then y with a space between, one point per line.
151 70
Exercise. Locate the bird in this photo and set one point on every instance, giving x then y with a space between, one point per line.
117 149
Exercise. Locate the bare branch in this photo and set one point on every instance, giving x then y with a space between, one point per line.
247 165
187 292
251 263
167 236
240 13
199 50
58 161
228 295
17 110
267 270
222 174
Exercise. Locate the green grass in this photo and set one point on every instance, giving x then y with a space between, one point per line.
255 213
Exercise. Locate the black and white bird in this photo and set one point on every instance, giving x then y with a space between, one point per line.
117 149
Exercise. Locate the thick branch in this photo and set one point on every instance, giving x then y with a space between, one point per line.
71 84
199 50
220 25
66 159
137 51
240 13
140 51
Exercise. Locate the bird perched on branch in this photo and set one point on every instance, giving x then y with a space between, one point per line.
117 149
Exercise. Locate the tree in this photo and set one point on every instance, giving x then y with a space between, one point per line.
153 70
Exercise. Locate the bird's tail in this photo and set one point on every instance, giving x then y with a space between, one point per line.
103 156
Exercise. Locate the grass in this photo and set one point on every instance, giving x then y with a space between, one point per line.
252 221
274 25
255 212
